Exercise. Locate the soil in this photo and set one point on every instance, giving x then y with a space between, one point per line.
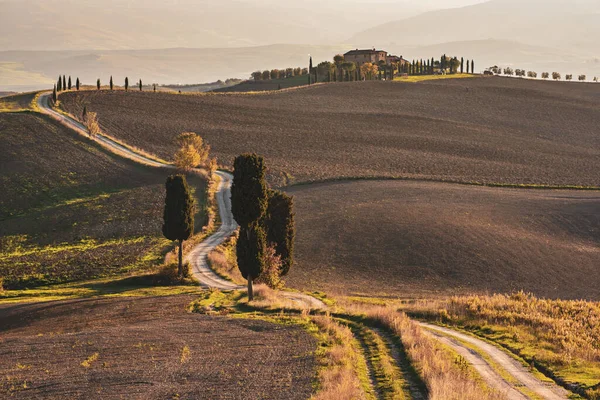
148 348
404 238
493 130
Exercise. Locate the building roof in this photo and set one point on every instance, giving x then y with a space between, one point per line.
360 52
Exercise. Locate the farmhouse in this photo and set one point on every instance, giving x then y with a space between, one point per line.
372 56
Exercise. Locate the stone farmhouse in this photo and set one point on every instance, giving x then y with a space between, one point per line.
372 56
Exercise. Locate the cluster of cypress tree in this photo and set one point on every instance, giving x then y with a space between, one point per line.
265 217
445 63
63 84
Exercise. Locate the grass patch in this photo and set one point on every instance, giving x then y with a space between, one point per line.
424 78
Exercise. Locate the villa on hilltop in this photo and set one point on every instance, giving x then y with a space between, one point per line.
373 56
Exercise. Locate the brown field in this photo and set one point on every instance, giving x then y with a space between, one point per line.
492 130
403 238
16 102
70 210
148 348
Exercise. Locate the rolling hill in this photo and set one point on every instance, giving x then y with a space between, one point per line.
71 211
495 130
394 237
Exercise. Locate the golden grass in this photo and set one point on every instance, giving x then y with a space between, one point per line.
223 261
560 336
423 78
446 379
338 378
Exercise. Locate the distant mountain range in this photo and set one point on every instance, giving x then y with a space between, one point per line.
193 41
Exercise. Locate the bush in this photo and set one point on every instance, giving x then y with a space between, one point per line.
271 273
91 123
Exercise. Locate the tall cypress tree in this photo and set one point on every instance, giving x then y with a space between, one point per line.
59 84
54 97
178 215
98 83
468 65
249 202
69 84
472 66
310 68
126 83
77 83
64 83
462 64
141 86
111 83
281 227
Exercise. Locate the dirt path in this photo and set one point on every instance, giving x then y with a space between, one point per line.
209 279
511 366
198 256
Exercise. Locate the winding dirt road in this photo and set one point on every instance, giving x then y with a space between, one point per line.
521 378
198 257
474 353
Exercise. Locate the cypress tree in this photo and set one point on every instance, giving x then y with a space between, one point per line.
126 83
84 113
77 83
250 250
310 67
472 66
432 65
462 64
111 83
59 84
249 202
141 85
178 215
468 65
69 84
64 83
155 87
54 94
281 228
98 83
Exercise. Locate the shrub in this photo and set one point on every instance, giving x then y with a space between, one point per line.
271 272
91 123
556 76
582 77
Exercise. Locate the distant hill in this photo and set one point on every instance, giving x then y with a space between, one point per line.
140 24
537 32
31 70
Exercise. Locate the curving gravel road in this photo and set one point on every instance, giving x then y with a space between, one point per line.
198 257
520 374
209 279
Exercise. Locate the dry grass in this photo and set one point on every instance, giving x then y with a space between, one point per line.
338 378
446 379
269 299
223 261
562 337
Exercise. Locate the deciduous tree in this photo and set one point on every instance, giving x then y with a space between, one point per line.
178 216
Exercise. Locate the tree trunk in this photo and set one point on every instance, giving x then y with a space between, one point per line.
250 289
180 267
